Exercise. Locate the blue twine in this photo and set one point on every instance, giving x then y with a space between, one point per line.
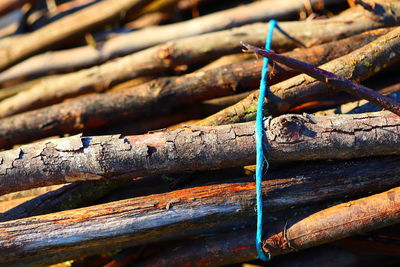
259 147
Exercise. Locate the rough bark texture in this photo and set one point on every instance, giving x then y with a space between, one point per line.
291 234
199 210
76 58
343 220
14 49
216 81
288 138
162 95
358 65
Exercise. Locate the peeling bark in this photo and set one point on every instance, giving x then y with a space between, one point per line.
160 96
288 138
215 82
200 210
357 66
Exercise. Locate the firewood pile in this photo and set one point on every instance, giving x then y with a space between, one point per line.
127 133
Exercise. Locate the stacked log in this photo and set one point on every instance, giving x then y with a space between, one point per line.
127 133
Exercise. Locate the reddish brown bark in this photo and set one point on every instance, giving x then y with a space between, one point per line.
292 233
200 210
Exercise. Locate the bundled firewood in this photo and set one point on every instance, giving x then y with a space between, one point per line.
127 132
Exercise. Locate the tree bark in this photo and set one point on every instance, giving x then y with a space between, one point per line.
14 49
215 82
358 66
70 196
199 210
288 138
82 57
162 95
289 235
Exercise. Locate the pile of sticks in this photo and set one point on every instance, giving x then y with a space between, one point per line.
127 132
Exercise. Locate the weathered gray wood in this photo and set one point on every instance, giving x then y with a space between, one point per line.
187 212
288 138
299 230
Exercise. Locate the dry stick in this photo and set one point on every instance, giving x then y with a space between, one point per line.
236 77
44 17
325 52
7 6
172 120
358 66
23 86
331 79
158 96
208 46
76 58
70 196
15 49
288 138
200 210
361 105
344 104
288 235
220 81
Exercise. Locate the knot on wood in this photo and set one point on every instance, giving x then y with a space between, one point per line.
290 129
165 53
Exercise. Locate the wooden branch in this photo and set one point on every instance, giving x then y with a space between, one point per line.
176 119
15 49
44 17
290 234
288 138
358 66
359 106
70 196
217 81
7 6
192 50
81 57
331 79
94 111
199 210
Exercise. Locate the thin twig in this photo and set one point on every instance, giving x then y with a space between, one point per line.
329 78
